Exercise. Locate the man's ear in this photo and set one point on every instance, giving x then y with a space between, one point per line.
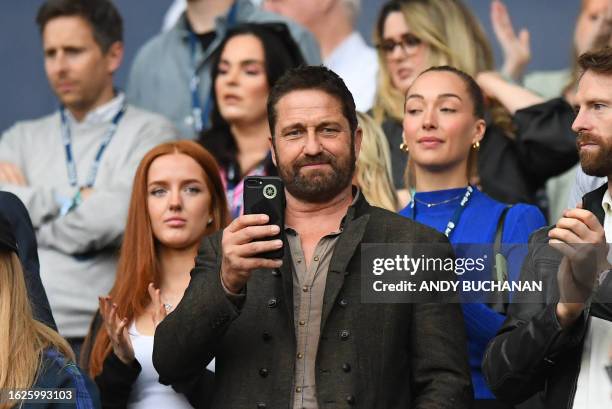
358 139
114 57
271 143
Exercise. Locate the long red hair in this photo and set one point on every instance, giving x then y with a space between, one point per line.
138 263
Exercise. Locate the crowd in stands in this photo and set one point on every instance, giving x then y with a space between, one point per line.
133 276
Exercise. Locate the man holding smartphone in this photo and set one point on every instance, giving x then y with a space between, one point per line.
293 332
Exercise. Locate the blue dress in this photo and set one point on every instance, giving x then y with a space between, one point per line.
478 224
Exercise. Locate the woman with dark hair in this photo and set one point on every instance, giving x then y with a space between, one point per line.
443 127
177 198
250 60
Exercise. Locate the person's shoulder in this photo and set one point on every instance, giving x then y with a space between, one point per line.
56 371
33 127
521 210
135 113
150 123
155 46
400 228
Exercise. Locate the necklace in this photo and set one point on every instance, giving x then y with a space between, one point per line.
439 203
452 223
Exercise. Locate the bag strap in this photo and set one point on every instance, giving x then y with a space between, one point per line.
499 300
497 243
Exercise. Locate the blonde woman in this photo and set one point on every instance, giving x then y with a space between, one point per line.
33 355
515 157
373 170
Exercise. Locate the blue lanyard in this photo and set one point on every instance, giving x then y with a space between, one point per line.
452 223
67 139
200 116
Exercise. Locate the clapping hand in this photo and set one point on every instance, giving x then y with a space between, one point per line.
581 239
116 329
517 50
159 310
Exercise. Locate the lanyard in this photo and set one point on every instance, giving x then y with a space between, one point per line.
67 139
200 116
452 223
234 190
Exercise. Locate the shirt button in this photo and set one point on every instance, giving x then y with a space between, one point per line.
350 399
299 260
263 372
300 356
316 258
305 288
344 334
343 303
261 405
346 367
302 322
266 336
298 389
272 302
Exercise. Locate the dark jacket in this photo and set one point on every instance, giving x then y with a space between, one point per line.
532 354
512 170
369 355
57 373
116 380
13 210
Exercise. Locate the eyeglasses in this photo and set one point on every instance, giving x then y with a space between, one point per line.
409 43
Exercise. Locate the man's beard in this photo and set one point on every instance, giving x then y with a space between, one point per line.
598 163
318 185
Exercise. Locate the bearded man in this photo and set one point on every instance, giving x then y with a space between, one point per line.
554 348
293 333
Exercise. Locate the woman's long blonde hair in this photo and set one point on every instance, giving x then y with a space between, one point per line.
373 170
454 36
23 339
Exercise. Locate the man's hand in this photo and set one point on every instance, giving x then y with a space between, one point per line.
240 245
581 239
517 51
11 174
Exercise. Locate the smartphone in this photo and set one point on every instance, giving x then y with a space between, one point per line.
266 195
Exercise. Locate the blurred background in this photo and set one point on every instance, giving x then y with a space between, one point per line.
27 95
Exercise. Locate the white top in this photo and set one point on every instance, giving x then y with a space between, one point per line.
594 388
147 392
356 63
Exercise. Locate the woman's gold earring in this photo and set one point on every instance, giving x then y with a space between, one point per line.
403 147
476 145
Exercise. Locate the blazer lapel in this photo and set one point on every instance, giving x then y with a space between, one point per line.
346 246
592 202
286 272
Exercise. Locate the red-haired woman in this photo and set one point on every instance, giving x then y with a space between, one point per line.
177 199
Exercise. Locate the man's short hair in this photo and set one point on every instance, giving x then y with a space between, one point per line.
102 15
598 61
313 78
